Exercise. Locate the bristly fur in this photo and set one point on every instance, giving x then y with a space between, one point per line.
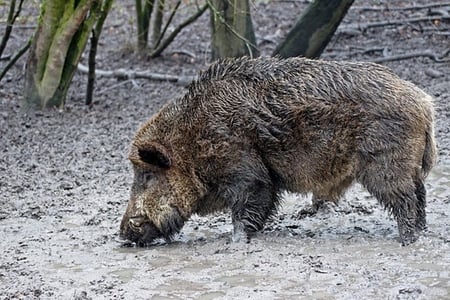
249 129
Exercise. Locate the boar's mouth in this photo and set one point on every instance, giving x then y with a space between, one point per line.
141 231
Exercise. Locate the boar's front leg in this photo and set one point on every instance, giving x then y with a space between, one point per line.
253 199
311 210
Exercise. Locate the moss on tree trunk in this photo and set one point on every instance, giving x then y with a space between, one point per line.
61 36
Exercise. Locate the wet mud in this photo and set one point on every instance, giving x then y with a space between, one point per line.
65 180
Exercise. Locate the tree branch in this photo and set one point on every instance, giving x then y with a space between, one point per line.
11 63
95 37
9 23
172 14
364 26
177 30
427 53
413 7
125 74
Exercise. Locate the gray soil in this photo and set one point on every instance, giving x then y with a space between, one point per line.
65 180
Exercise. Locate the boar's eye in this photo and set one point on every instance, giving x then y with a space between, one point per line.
147 176
154 157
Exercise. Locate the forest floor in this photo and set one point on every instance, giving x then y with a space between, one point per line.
65 181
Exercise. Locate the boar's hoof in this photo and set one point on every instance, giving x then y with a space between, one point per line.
141 231
239 233
407 235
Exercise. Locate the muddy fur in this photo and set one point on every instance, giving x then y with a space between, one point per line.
249 129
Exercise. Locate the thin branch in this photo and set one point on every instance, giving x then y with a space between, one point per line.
16 26
9 23
365 26
446 33
95 37
172 14
413 7
428 53
177 30
19 53
113 86
91 67
183 52
125 74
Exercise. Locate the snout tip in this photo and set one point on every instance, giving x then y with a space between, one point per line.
138 231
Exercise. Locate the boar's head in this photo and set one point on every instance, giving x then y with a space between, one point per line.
163 194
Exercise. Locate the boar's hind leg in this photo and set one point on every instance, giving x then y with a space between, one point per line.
252 203
421 223
400 198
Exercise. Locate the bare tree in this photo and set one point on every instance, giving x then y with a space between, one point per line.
150 19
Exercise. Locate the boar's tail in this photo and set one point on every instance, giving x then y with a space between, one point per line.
430 152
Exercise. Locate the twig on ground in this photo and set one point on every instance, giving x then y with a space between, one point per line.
113 86
183 52
441 12
413 7
364 26
426 53
373 50
125 74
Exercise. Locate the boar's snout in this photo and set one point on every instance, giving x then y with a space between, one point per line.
139 230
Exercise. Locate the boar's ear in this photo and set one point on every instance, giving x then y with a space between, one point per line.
155 156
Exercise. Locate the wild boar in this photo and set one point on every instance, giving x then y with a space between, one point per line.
248 129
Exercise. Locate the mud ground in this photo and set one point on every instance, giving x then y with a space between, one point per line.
65 179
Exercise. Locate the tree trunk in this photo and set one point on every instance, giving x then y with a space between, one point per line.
314 29
143 14
60 39
232 29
